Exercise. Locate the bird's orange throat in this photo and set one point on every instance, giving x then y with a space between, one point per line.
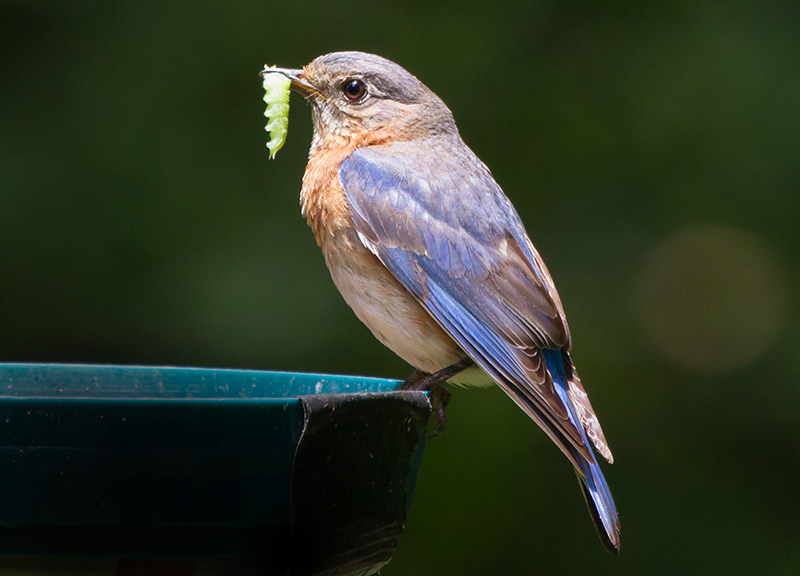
322 198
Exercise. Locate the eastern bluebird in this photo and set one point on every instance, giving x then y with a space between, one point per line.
430 254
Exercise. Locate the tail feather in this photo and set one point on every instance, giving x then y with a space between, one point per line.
593 484
601 506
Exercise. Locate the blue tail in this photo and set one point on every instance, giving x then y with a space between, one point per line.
595 489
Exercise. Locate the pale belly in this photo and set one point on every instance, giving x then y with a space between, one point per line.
392 314
386 308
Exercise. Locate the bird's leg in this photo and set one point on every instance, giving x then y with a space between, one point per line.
432 383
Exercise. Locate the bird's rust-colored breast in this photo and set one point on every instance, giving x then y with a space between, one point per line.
322 199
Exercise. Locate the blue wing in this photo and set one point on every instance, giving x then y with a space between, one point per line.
439 222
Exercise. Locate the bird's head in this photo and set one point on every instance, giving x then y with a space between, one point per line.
357 96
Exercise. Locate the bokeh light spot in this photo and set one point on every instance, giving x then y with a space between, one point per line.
711 298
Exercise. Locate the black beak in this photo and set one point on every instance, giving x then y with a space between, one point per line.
299 82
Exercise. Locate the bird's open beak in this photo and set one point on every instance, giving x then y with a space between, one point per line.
298 78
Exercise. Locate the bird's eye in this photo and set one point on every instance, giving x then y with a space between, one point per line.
354 89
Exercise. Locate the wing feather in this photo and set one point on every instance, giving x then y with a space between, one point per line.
481 279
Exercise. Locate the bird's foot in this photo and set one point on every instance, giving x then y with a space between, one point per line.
439 396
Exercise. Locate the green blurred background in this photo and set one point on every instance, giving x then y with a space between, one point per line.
653 151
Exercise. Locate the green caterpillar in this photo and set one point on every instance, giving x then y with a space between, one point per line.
276 88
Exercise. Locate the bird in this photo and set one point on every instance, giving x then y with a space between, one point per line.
433 258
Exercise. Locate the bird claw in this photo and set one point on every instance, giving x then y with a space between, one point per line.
439 398
432 383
